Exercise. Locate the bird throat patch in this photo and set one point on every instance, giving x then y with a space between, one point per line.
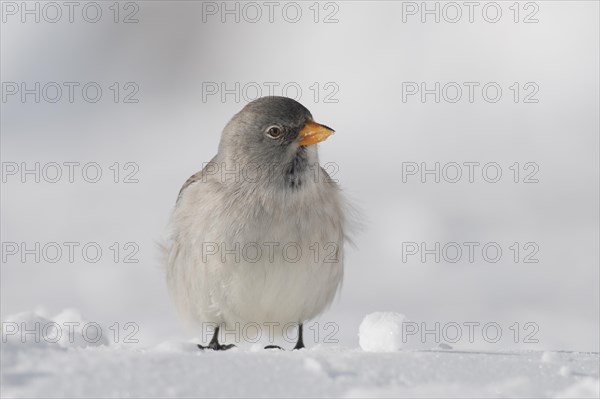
296 171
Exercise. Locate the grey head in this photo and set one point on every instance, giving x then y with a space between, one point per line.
275 134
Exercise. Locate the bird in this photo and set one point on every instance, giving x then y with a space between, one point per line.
257 236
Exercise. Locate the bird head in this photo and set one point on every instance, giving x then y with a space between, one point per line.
273 131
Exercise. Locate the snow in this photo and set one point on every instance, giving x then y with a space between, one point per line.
66 329
179 369
585 388
381 332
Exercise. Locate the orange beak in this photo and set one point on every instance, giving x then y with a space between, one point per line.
313 133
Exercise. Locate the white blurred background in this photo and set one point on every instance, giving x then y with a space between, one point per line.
171 54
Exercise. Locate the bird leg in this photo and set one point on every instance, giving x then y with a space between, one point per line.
274 347
214 343
300 342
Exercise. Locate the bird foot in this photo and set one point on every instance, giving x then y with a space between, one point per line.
216 346
297 347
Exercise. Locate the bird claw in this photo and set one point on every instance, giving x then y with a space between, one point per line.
216 346
297 347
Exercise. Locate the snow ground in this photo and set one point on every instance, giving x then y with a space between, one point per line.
179 369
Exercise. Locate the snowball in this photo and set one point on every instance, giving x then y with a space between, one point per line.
381 332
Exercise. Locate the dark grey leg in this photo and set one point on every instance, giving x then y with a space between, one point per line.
300 343
214 343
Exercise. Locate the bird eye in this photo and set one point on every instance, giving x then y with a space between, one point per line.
274 132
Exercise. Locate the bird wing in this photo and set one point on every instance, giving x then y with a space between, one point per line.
193 179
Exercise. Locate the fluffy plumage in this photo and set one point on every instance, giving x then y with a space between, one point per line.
258 192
